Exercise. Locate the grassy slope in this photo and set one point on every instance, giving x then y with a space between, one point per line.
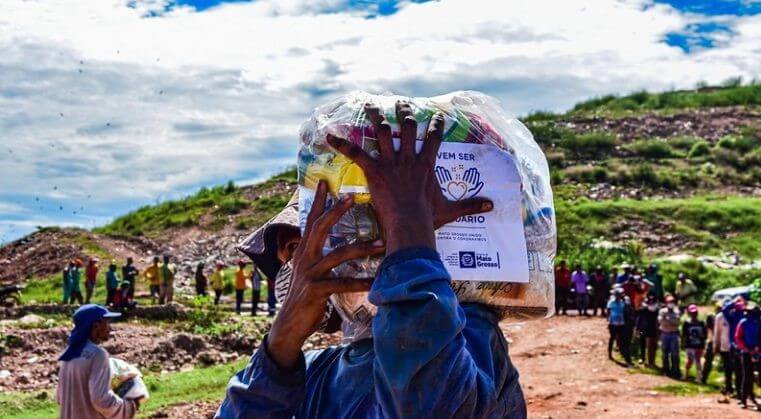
200 384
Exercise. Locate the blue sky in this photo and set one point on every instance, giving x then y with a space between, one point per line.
108 106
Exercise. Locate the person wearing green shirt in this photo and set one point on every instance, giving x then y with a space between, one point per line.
685 291
652 275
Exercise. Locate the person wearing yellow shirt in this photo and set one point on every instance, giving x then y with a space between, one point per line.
152 275
241 276
218 282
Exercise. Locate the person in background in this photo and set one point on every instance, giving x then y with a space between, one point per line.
709 353
200 278
630 319
721 345
167 271
685 292
74 285
656 279
67 273
748 343
600 290
218 282
733 313
129 274
153 276
562 286
616 323
256 289
84 372
621 279
693 341
668 326
647 330
241 278
271 298
579 279
112 283
91 276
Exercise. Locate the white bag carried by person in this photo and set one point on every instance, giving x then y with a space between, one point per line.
126 380
504 258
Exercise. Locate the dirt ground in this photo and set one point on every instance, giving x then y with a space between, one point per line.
565 373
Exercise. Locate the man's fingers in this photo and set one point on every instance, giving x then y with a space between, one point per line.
349 252
457 209
433 138
382 131
407 128
352 151
321 227
341 285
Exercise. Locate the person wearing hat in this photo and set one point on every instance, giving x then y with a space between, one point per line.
694 336
668 325
217 281
241 278
112 283
621 279
615 308
685 292
733 313
721 345
748 340
91 276
426 355
84 373
167 271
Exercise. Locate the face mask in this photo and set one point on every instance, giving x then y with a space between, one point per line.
670 306
652 307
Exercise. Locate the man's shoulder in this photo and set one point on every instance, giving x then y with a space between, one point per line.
94 352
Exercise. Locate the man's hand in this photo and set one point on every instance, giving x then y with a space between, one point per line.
311 283
406 195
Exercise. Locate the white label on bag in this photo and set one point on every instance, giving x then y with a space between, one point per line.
489 246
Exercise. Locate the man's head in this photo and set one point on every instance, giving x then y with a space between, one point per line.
93 261
681 277
155 260
618 293
670 304
562 264
92 320
220 266
578 267
112 266
692 311
129 260
598 269
167 258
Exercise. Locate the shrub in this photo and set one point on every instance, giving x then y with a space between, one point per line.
540 116
587 173
653 149
555 158
231 205
727 156
556 177
591 145
547 133
742 144
645 175
699 149
684 142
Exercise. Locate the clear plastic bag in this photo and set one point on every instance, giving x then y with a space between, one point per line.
470 118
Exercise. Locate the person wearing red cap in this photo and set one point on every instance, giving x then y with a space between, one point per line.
84 373
668 325
241 277
217 281
693 341
91 275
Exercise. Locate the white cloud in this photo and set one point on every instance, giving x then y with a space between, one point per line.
97 100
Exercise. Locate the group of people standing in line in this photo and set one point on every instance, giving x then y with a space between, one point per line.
640 314
160 275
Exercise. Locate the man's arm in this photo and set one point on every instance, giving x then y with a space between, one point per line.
427 362
739 336
264 389
105 401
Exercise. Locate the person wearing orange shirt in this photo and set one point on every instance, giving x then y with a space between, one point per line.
241 276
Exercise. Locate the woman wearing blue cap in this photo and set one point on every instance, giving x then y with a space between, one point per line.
84 373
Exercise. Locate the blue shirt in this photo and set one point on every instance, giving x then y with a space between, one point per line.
429 357
616 312
733 317
112 280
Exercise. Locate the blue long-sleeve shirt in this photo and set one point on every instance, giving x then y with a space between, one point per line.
429 357
733 317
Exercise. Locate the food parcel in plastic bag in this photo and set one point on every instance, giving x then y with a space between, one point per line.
126 380
502 258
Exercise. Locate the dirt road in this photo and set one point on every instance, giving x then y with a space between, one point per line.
565 373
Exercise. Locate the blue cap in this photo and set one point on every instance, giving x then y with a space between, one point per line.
84 318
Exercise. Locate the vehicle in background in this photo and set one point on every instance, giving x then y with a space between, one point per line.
731 293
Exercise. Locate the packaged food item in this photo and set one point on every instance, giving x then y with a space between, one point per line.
126 380
502 259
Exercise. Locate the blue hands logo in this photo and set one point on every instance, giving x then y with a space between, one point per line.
459 187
